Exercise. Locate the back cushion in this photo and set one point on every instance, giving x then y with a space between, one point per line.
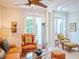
61 36
28 40
12 46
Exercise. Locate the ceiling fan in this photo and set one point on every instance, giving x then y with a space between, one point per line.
35 2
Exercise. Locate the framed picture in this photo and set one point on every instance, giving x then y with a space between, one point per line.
14 27
73 27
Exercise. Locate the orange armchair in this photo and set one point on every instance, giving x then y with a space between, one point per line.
28 43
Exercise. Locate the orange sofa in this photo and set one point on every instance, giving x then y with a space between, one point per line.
28 43
13 53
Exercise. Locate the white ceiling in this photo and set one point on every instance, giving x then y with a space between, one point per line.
68 5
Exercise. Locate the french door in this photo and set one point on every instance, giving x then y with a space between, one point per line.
33 24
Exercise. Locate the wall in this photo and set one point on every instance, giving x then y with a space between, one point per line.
12 15
63 15
50 36
0 15
74 18
17 15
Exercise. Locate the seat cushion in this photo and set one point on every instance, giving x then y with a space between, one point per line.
13 56
29 46
13 50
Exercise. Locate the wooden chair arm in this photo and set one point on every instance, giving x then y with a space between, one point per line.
22 43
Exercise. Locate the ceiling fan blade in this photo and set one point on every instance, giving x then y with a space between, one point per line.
23 4
34 1
41 4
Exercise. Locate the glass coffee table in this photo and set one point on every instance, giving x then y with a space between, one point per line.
29 55
32 55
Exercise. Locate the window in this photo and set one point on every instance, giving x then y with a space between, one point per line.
28 24
33 24
60 20
59 25
38 29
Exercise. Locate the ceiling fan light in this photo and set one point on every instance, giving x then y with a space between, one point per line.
32 5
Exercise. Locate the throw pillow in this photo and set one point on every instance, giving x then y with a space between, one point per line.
5 45
2 53
28 40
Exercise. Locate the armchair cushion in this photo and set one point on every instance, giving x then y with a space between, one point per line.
29 47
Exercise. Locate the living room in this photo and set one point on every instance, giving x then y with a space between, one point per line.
17 15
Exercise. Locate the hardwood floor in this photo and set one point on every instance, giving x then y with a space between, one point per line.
74 54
